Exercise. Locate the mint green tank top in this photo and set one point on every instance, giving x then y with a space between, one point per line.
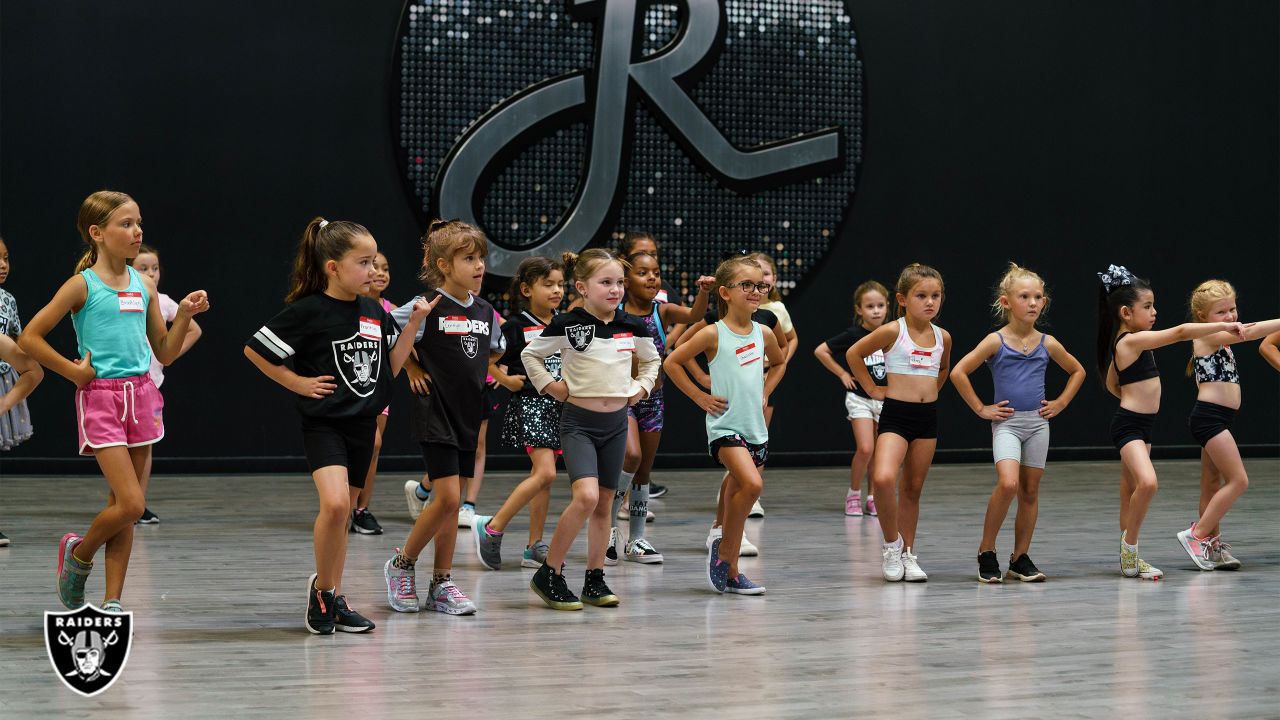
112 326
737 374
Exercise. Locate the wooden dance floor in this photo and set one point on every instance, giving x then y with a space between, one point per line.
218 595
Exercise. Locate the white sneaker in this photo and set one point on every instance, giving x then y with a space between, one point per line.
911 568
1200 550
891 566
642 551
714 533
611 552
466 514
625 514
746 549
411 497
757 510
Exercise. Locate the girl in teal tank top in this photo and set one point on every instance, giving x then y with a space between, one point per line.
118 409
737 436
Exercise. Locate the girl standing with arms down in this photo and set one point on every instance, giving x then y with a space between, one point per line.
917 355
344 350
119 412
737 436
597 343
1018 355
1126 316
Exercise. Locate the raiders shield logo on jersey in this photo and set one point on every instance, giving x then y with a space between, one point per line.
580 336
88 647
358 360
470 345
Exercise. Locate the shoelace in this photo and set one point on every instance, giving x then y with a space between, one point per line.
453 592
1220 547
406 586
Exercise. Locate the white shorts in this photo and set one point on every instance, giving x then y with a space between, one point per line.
1023 437
860 408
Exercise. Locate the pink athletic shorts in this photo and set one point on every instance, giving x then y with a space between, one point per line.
119 411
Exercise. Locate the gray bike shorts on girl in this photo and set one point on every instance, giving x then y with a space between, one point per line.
1023 437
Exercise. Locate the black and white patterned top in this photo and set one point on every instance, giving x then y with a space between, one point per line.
10 323
1220 366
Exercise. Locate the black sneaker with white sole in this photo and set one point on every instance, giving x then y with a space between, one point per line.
321 607
364 523
611 552
148 518
656 490
4 540
347 620
1021 568
988 567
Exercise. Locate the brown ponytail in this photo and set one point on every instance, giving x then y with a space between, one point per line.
96 209
321 241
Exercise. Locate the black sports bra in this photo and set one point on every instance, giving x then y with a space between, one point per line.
1144 368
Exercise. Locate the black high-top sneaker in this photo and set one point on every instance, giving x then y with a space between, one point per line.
596 592
554 591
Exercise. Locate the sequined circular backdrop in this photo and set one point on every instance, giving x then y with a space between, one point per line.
785 68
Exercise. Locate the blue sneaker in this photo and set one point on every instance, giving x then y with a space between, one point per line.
717 569
71 573
742 586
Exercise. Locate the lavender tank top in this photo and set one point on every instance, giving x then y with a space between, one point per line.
1018 377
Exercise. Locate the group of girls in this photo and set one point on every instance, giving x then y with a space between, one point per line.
586 387
895 372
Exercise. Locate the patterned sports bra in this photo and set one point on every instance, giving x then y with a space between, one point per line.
1217 367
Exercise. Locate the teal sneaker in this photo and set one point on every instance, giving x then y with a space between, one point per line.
71 573
535 556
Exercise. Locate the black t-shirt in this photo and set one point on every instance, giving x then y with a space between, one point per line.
519 331
453 345
839 346
348 339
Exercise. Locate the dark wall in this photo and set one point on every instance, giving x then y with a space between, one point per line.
1061 135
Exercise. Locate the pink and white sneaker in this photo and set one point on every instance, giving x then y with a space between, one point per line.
853 505
871 506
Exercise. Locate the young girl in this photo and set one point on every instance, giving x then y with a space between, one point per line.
737 436
870 303
775 306
21 376
532 421
455 346
345 352
1126 314
15 417
363 521
1018 355
148 263
596 343
917 355
117 320
1270 349
1222 476
645 418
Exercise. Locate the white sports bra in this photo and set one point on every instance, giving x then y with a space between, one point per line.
907 358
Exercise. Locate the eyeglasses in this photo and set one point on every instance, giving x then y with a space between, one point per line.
747 286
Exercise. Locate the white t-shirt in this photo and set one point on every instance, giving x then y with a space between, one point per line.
169 311
784 318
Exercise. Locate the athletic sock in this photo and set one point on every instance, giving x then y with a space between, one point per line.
403 562
639 509
422 492
467 504
895 544
490 531
438 577
853 493
618 495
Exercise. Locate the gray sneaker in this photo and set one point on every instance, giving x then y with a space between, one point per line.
450 600
402 586
488 547
1222 557
535 556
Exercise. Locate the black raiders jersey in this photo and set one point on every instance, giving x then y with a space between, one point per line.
348 339
519 331
453 344
595 355
839 347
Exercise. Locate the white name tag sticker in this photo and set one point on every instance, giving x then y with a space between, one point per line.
455 325
370 328
624 342
921 359
661 296
749 353
533 332
131 302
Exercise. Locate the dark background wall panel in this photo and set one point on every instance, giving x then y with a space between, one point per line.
1064 136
